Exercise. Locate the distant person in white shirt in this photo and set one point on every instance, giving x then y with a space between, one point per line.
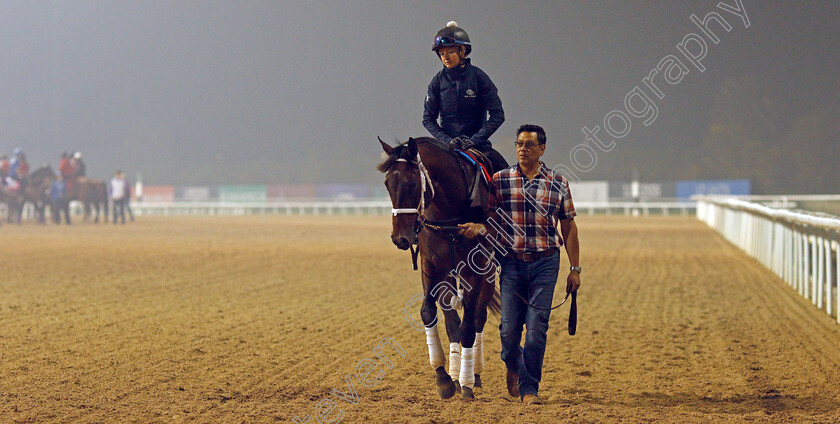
118 194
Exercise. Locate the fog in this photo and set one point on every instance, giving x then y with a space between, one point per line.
210 92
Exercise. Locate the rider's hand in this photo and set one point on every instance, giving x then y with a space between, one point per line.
467 143
460 142
471 229
572 281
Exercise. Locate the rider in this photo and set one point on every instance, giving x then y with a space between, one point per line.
64 166
19 168
66 169
79 165
462 95
14 162
4 168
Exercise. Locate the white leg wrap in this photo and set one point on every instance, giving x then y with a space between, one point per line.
467 378
479 353
436 356
454 360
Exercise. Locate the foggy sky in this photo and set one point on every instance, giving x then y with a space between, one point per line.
208 92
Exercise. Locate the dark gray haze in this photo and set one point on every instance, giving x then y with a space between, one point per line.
208 92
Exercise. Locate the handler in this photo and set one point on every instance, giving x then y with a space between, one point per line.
462 95
533 199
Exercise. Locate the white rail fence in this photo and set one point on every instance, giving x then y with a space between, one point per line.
376 207
801 248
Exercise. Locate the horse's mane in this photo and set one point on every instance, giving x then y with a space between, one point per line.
401 152
41 170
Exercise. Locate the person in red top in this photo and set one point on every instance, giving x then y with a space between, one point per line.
4 168
64 167
23 168
67 170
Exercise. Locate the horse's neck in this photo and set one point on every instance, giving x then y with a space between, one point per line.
39 174
448 180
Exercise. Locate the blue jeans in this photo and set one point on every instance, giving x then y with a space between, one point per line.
534 281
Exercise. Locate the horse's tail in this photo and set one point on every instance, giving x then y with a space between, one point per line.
495 303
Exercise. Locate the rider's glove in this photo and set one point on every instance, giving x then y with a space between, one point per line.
461 142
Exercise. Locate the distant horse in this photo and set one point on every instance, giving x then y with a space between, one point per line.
430 189
7 198
92 193
35 192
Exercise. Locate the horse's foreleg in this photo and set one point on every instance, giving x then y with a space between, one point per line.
453 331
467 374
428 312
485 296
42 213
447 297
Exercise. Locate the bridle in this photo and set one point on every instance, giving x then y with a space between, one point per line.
425 181
448 227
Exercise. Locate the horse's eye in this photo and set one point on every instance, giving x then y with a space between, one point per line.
412 183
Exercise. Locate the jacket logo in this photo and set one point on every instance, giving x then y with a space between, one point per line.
470 93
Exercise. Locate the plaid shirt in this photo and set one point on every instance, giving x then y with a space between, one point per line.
527 211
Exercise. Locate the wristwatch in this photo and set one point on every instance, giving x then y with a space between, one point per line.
575 268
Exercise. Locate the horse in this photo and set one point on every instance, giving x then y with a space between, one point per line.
430 189
92 193
35 192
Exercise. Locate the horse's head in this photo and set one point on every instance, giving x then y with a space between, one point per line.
45 172
404 182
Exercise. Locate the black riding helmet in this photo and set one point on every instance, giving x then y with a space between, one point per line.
452 35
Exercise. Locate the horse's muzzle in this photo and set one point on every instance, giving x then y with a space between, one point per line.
401 242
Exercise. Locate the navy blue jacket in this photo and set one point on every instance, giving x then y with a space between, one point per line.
462 97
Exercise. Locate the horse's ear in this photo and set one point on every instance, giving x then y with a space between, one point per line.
388 149
412 147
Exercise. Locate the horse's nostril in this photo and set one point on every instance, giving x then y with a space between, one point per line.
401 242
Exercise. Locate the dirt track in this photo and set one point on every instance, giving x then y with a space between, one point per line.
258 319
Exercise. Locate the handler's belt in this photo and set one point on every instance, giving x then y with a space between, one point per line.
532 256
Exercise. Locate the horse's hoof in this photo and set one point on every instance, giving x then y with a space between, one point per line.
446 391
477 381
467 393
457 386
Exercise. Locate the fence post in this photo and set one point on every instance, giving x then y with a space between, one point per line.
804 289
814 255
837 273
828 275
820 270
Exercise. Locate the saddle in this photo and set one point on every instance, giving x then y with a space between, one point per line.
483 175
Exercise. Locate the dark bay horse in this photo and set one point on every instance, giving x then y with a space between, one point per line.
92 193
430 190
36 192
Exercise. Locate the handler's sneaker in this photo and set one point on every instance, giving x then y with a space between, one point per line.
513 384
530 399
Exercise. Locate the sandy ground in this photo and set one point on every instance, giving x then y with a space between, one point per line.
259 319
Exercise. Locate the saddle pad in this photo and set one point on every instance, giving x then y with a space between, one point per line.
476 162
